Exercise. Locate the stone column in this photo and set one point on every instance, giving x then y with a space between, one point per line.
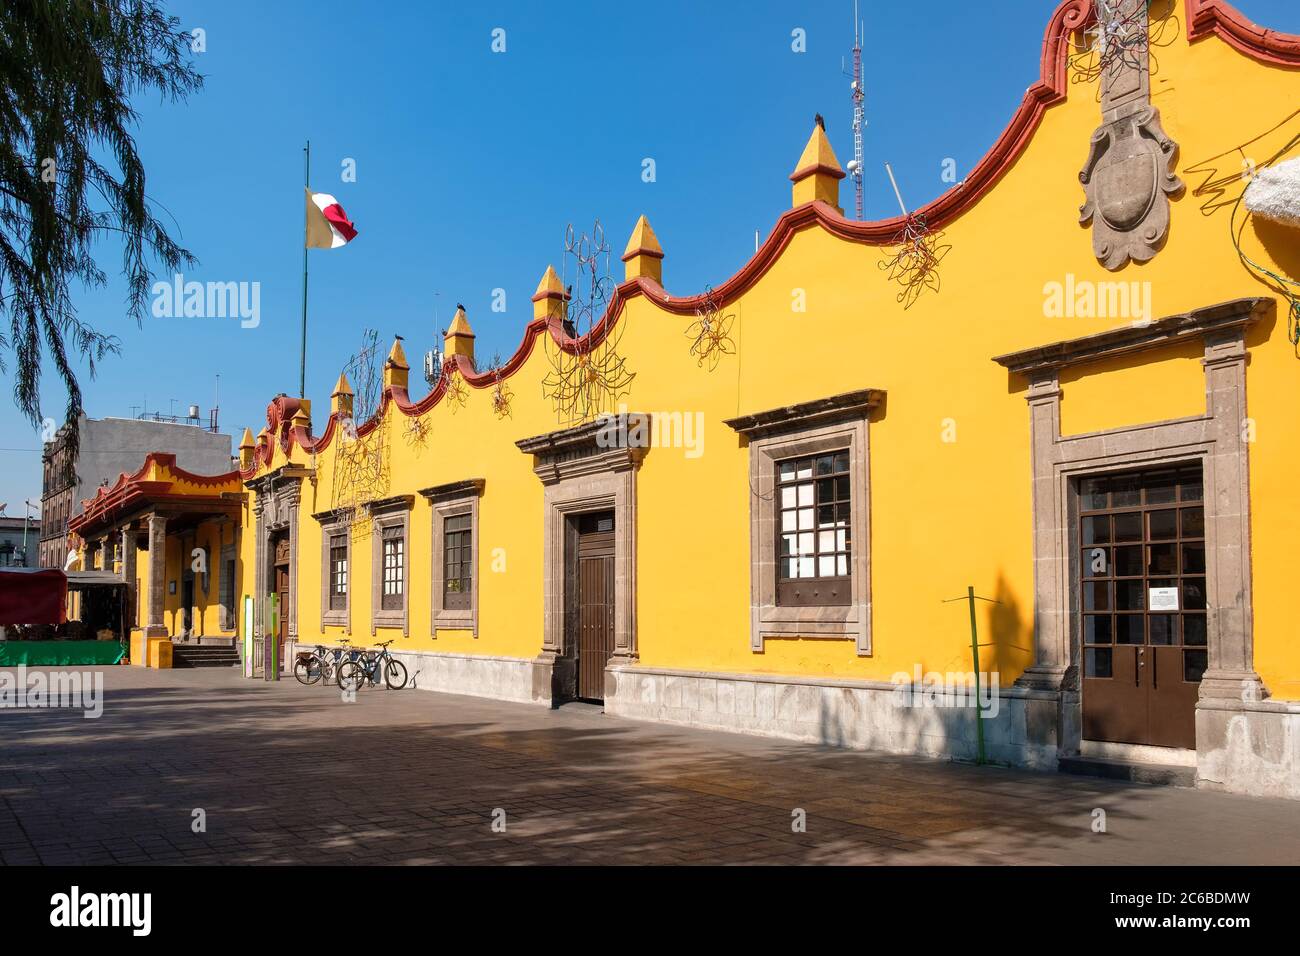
1051 626
625 514
128 572
1231 672
259 576
154 622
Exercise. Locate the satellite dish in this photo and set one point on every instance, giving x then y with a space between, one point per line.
853 166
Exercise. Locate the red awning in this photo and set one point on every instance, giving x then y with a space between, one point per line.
33 596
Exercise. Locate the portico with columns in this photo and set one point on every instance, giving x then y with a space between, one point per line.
169 529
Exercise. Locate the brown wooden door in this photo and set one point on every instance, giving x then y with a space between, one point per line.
282 589
595 618
1143 606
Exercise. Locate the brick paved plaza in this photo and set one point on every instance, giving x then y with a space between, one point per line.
292 774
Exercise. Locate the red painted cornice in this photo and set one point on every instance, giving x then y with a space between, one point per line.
1217 17
131 491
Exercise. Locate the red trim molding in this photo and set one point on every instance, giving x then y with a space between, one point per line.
641 251
1206 17
130 492
801 174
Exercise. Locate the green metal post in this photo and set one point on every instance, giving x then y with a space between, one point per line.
975 659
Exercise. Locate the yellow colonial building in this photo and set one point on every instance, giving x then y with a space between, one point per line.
1068 383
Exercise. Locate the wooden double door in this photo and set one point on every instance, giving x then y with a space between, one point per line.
276 626
1142 601
593 570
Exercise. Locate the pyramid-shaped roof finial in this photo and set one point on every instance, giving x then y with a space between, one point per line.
817 175
643 255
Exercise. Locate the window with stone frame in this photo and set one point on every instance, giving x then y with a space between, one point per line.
338 572
390 564
393 581
814 548
454 567
810 519
336 583
457 562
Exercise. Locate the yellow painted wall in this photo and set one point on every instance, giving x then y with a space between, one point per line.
944 514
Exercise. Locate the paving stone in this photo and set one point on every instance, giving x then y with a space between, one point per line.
291 774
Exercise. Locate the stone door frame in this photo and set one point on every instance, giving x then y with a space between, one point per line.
587 468
277 497
1214 439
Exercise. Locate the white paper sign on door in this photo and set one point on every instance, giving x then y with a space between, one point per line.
1162 599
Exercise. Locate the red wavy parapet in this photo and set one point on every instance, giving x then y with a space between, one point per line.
131 488
1217 17
1204 17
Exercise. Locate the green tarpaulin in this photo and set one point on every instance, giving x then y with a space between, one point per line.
31 653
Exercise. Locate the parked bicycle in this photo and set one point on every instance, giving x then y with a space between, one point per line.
370 666
322 664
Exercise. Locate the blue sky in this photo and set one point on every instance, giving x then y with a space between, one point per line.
470 163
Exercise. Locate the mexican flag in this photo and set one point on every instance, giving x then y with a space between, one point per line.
328 226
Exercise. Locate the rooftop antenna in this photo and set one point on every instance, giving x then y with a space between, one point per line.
859 95
898 195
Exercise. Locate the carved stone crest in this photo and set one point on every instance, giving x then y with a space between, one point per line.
1129 175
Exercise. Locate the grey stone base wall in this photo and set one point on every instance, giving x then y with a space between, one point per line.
1251 748
503 678
859 715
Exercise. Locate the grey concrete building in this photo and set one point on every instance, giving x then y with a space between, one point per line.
110 447
18 541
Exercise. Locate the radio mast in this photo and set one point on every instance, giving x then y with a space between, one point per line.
859 115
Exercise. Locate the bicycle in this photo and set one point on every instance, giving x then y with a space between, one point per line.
368 667
321 664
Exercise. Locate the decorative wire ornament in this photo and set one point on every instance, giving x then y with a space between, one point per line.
1118 38
915 264
586 379
416 431
457 393
361 472
711 333
502 395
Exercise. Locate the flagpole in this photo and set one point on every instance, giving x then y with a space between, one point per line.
302 366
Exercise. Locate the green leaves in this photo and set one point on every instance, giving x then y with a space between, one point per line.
70 177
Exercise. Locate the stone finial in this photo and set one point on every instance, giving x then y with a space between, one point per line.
459 339
644 257
550 298
817 175
341 397
397 370
302 418
246 448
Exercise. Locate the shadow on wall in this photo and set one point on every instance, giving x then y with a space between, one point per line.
1282 243
859 719
1010 634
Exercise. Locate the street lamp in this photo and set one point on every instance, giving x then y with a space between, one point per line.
26 521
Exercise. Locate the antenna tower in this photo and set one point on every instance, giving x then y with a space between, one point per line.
859 115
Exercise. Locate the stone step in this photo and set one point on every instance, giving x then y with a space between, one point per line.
1160 775
197 656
